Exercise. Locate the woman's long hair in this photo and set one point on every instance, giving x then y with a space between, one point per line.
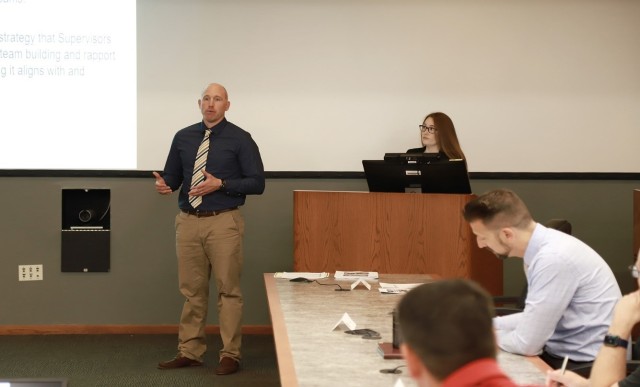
446 135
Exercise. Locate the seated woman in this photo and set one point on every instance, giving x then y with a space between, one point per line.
439 136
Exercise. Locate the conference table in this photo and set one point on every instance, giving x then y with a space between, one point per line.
311 352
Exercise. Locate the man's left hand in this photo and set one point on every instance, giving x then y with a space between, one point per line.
208 185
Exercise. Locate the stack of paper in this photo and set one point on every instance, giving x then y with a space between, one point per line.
354 275
297 274
396 288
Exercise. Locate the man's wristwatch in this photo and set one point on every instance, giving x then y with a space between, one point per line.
615 341
221 184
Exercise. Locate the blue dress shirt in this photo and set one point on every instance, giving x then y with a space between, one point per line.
233 156
570 300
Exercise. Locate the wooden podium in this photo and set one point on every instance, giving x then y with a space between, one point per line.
396 233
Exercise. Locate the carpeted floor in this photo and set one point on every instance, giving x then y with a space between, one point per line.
130 360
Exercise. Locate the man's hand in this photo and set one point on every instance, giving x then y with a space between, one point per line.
161 185
208 185
626 314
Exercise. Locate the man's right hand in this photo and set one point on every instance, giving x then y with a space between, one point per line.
161 185
569 379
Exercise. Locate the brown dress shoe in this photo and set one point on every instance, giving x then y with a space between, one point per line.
178 362
227 366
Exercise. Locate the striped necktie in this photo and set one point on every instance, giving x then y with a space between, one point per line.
198 167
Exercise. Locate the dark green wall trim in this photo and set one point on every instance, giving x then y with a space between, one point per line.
554 176
71 173
314 175
473 175
334 175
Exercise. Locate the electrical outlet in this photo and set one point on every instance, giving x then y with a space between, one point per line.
30 273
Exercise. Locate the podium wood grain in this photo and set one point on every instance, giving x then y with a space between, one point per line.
389 233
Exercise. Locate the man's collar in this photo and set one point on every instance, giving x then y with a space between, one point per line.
534 243
484 369
217 127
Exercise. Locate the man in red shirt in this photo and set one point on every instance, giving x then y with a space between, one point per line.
448 337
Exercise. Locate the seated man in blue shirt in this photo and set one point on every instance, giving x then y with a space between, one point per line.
572 290
610 367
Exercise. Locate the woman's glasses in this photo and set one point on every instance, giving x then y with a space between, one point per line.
425 128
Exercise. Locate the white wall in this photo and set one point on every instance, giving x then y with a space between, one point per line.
532 86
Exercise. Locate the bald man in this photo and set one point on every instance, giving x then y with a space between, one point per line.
214 164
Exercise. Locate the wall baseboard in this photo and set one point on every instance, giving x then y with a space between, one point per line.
117 329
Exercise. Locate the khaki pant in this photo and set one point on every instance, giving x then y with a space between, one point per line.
203 244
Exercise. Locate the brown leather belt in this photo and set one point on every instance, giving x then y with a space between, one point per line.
204 214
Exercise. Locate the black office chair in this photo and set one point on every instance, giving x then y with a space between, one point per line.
505 305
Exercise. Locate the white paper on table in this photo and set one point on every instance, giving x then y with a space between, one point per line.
352 275
399 383
388 288
345 322
360 283
296 274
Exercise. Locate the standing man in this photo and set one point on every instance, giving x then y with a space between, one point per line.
215 164
571 289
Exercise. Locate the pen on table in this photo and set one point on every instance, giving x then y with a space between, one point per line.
564 364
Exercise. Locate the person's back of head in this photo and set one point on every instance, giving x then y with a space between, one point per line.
497 209
446 325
